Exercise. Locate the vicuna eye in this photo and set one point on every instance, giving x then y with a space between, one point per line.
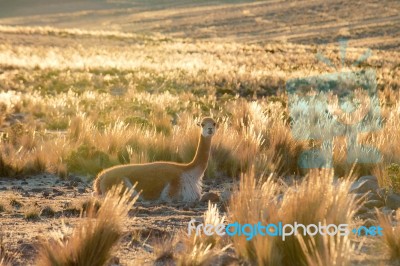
214 124
202 125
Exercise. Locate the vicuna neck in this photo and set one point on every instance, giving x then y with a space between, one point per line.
202 153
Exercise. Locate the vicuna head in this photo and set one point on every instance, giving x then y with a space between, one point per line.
208 126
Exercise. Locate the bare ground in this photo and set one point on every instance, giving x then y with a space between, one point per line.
60 204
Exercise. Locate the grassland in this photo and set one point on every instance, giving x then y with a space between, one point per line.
113 98
75 100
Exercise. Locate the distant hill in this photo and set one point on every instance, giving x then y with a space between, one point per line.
371 23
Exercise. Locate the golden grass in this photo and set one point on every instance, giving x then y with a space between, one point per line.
94 139
194 249
164 251
316 199
329 251
92 242
202 249
79 108
87 108
32 213
391 234
6 258
198 253
3 257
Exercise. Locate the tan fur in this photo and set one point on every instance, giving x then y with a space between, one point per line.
153 178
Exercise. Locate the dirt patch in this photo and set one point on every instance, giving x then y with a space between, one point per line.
60 204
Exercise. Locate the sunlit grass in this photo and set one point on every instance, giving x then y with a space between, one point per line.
82 109
317 199
391 236
87 108
117 98
92 242
97 130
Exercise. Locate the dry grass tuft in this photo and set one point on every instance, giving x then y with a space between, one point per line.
5 258
198 253
391 234
328 251
164 251
92 242
32 213
318 198
255 201
200 249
